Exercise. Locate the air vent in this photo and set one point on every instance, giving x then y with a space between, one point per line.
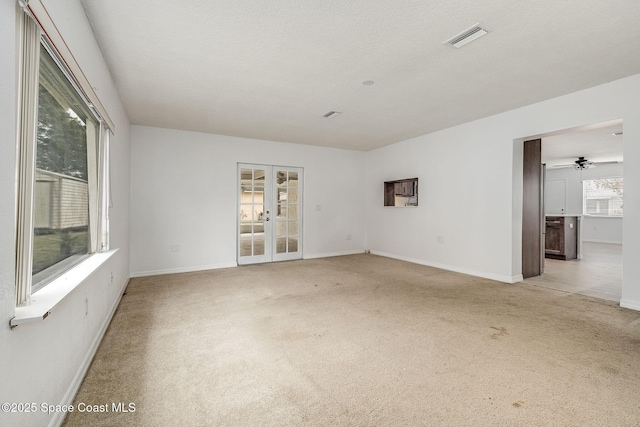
467 36
331 114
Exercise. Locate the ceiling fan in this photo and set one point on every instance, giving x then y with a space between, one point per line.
581 164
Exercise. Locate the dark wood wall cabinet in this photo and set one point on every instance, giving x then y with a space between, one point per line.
561 237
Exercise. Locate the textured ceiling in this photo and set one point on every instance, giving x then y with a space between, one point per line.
271 69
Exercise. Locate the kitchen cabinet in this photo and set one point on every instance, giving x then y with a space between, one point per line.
403 192
561 237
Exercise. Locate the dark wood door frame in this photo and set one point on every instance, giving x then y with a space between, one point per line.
532 209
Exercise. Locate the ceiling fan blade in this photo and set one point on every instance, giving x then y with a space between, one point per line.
614 162
568 165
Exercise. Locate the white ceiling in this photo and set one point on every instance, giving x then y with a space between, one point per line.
596 143
271 69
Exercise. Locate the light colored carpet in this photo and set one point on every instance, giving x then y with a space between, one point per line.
362 341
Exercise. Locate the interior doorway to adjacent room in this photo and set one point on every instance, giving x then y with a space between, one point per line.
579 167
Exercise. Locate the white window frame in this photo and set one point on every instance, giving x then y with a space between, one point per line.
584 197
31 38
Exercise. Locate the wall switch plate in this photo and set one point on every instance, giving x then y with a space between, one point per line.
440 239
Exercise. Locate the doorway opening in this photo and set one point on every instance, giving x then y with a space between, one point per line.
582 186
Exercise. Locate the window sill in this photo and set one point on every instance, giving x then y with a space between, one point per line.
46 299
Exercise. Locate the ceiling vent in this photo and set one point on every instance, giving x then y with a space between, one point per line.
331 114
467 36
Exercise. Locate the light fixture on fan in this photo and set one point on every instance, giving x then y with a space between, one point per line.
582 164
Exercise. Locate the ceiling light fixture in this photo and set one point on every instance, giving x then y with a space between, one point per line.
330 114
467 36
582 164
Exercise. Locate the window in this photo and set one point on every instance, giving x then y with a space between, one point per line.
62 188
66 165
603 196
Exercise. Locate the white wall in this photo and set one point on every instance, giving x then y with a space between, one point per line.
464 198
602 229
594 229
183 192
471 186
45 361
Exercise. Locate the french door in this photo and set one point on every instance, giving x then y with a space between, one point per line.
269 213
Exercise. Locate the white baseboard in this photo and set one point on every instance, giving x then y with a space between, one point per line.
517 278
627 303
330 254
58 417
483 274
182 269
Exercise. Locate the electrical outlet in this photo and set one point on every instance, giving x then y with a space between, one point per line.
348 236
440 239
175 248
112 277
318 208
